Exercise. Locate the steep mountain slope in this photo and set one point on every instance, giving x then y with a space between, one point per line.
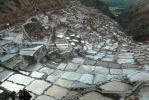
136 20
11 10
17 10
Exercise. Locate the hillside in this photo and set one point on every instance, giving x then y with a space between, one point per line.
97 4
70 53
118 6
135 20
19 10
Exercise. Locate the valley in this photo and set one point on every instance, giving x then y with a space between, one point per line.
72 50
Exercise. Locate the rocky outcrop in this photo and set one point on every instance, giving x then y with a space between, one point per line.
135 20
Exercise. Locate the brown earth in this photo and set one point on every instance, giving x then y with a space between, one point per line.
135 20
11 12
34 30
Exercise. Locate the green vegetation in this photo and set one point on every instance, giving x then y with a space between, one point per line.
115 6
118 6
97 4
119 3
91 3
116 10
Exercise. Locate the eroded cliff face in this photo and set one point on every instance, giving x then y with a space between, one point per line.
19 10
135 20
